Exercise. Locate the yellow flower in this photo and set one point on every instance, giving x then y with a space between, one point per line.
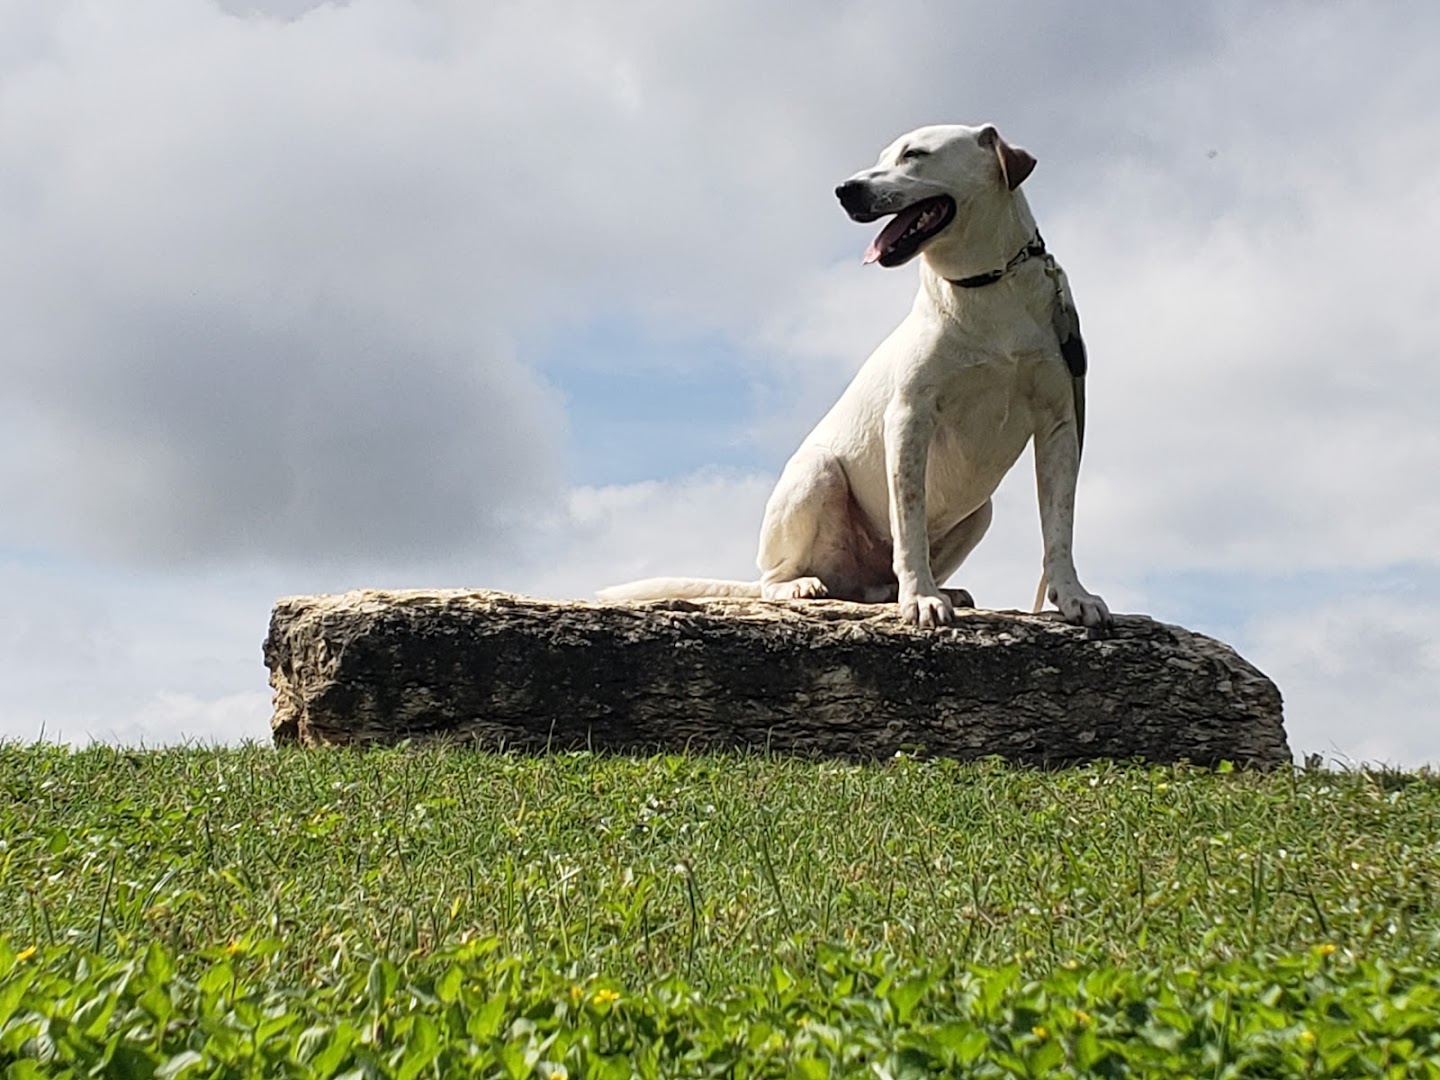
1082 1016
25 954
1307 1037
1326 949
605 997
1040 1031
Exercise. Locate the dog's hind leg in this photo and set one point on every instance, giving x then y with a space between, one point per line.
810 501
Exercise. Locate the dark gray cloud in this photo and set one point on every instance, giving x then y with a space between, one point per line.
246 320
188 431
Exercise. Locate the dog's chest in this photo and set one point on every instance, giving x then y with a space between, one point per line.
983 406
985 415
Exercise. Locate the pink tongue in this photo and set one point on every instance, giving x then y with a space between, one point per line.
890 234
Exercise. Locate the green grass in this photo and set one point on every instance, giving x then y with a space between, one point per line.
430 912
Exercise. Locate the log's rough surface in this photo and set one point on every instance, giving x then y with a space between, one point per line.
809 677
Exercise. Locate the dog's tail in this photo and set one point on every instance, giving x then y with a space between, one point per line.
678 588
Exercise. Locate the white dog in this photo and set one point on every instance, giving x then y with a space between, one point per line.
891 491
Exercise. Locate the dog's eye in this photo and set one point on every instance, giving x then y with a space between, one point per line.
913 153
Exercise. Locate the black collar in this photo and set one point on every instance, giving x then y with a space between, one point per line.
1034 248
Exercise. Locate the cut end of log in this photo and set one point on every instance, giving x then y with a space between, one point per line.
819 678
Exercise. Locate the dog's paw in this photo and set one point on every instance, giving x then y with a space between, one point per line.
805 588
1081 607
926 611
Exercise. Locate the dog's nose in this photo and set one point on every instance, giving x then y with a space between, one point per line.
850 192
857 198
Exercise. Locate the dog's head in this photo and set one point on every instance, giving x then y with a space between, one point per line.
932 180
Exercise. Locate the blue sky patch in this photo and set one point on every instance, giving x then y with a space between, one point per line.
651 406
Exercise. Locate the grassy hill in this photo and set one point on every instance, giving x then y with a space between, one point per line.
434 913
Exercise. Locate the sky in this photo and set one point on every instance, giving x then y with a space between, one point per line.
305 296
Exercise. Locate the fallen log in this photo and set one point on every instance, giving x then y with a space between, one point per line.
807 677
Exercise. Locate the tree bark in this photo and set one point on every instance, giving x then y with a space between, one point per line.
808 677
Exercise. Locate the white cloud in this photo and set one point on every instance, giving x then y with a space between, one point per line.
279 9
1359 676
1259 393
169 716
86 654
703 525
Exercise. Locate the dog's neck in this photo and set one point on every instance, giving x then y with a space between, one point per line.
985 244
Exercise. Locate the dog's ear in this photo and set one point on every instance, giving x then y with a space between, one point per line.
1016 163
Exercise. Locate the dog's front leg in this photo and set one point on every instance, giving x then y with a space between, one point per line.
1057 464
909 427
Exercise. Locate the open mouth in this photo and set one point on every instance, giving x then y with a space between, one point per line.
909 230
